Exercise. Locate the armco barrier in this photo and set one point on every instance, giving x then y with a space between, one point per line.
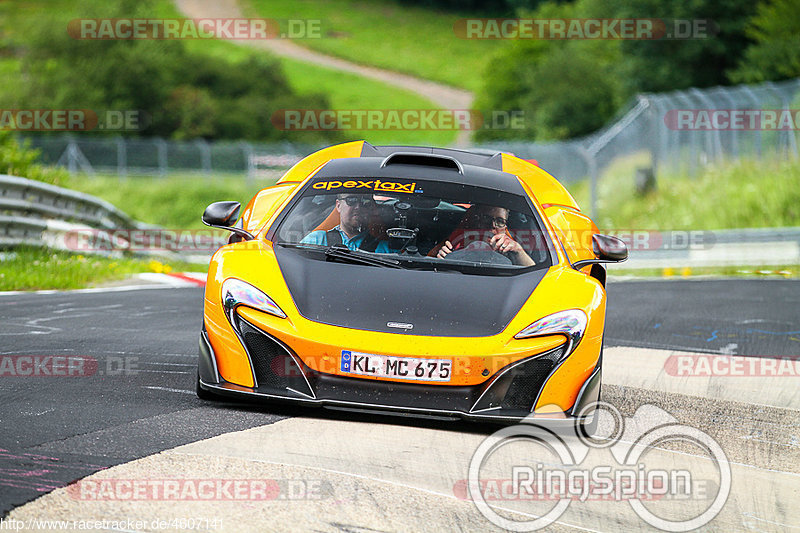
33 213
36 214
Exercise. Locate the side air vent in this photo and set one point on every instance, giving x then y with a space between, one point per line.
518 387
424 160
276 371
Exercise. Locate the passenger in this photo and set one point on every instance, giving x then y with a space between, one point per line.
487 220
355 211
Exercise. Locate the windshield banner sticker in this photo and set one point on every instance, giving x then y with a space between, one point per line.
375 185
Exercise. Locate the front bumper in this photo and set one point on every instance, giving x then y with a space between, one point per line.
280 376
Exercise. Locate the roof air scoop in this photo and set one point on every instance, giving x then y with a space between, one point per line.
424 160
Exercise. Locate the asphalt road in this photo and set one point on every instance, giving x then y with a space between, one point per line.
137 352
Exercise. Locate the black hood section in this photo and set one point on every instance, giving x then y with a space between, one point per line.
448 304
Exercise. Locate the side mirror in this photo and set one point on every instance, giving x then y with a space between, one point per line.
608 249
223 215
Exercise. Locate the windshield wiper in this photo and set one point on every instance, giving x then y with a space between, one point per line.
341 252
311 246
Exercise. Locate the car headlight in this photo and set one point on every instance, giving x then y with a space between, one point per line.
570 323
236 292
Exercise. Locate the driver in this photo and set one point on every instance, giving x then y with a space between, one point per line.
355 211
486 220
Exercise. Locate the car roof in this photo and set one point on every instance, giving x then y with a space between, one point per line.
414 162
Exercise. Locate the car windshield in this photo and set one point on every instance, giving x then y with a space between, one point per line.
421 224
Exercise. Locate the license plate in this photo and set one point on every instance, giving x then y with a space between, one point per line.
388 366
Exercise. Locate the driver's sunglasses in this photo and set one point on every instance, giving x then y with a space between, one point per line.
497 222
353 201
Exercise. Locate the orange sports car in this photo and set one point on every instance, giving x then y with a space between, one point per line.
429 281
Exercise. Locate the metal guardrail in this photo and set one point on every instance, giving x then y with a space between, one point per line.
18 231
36 200
37 214
716 248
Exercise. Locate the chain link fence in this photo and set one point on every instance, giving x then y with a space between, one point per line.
679 133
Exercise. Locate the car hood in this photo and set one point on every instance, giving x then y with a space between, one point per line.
449 304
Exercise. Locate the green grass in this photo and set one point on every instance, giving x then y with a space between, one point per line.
391 35
770 271
41 268
174 202
344 90
746 194
349 91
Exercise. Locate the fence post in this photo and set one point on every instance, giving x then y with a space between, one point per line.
756 103
74 159
205 155
791 141
692 171
723 93
591 164
247 150
713 143
122 158
161 149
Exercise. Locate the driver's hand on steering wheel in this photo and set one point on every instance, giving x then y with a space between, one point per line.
446 248
504 244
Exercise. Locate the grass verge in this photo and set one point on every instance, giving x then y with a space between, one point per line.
764 272
745 194
42 268
174 202
422 42
344 90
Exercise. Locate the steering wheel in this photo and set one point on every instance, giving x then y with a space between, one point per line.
479 252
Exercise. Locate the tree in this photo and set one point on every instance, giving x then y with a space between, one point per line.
672 63
183 94
775 52
564 88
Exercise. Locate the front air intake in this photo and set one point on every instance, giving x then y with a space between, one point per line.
518 386
275 369
423 160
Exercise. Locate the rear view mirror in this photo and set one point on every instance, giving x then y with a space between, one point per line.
609 248
223 215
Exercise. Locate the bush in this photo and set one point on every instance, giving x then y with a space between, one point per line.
183 94
775 54
564 88
19 160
